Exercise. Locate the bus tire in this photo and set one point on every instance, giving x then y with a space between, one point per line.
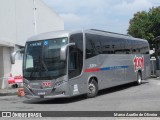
139 78
92 89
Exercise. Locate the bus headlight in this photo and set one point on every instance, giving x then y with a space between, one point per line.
59 83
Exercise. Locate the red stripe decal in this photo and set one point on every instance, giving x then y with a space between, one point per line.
92 70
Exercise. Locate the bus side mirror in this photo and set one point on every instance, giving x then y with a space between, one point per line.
14 54
63 51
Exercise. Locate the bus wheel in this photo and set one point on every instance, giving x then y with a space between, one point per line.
139 78
92 89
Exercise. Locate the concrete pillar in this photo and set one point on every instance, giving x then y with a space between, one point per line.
7 62
1 62
5 66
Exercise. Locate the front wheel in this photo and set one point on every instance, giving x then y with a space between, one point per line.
92 89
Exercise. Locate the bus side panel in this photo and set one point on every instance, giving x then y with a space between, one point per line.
141 62
92 68
78 85
147 71
108 75
112 70
131 75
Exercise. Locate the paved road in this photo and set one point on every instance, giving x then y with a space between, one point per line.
121 98
145 97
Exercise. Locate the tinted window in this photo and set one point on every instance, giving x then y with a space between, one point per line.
119 45
75 55
134 47
145 48
93 46
128 47
139 47
98 44
107 45
42 59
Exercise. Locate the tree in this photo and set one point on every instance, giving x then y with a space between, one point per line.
145 25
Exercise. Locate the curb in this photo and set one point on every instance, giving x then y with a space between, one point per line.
8 92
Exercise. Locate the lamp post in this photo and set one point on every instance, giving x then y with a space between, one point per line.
34 12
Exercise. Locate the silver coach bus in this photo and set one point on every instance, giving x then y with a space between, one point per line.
65 64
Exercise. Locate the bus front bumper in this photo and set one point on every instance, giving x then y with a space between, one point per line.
61 91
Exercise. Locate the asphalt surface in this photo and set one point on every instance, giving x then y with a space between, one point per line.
145 97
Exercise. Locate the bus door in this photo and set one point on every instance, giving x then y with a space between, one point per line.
75 64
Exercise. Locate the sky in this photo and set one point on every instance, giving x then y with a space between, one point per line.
109 15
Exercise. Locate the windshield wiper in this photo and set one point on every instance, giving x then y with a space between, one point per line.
40 61
44 65
33 70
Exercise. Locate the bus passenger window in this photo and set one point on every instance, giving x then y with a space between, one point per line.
93 46
72 61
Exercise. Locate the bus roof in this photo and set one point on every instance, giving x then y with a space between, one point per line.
49 35
64 33
112 34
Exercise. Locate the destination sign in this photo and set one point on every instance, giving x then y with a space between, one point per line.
35 44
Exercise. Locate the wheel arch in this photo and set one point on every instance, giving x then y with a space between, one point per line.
92 81
92 77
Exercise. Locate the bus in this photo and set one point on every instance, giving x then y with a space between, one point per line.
70 63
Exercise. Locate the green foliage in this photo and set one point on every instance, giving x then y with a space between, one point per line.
145 25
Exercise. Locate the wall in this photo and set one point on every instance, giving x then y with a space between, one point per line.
17 24
17 21
46 19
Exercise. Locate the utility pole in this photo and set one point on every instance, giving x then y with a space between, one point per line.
34 12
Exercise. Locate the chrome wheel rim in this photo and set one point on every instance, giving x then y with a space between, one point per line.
91 88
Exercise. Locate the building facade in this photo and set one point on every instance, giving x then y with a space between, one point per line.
19 20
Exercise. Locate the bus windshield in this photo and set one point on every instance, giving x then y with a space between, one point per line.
42 59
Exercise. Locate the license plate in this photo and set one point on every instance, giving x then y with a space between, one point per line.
41 93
